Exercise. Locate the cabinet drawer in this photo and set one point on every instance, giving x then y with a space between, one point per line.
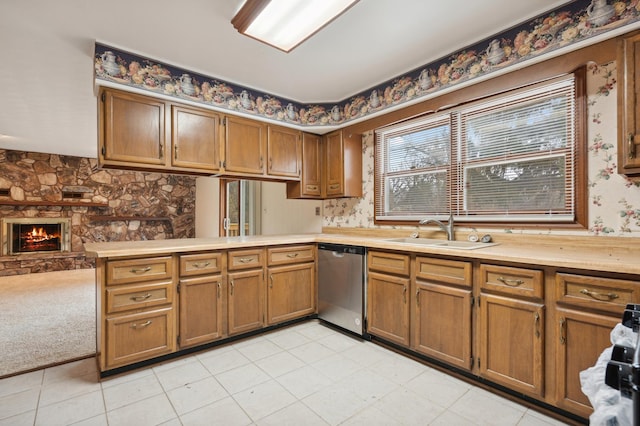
393 263
139 270
245 259
603 294
442 270
124 298
199 264
137 337
292 254
517 281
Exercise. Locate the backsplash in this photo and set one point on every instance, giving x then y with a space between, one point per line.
105 205
614 200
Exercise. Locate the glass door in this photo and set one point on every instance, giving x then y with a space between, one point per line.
240 207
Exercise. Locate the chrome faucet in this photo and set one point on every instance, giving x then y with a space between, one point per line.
448 228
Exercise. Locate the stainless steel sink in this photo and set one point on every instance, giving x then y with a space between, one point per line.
459 245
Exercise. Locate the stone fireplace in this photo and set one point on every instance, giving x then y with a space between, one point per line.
35 235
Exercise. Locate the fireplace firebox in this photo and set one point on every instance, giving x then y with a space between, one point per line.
35 235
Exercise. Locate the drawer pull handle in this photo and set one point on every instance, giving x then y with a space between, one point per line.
201 265
271 280
140 270
139 298
563 331
599 296
232 287
631 147
536 323
246 259
510 282
404 294
292 255
312 187
334 186
418 297
143 325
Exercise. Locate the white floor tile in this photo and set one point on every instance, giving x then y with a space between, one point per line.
279 364
18 403
21 382
264 399
316 331
438 387
182 374
408 408
69 370
287 338
125 393
370 416
399 369
150 411
481 407
339 342
304 381
294 415
129 376
100 420
259 350
218 363
225 412
311 352
72 410
368 385
196 395
242 378
65 389
24 419
336 367
334 404
367 354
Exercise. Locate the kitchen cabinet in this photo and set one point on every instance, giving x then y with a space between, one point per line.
131 130
245 145
388 285
201 301
588 308
628 62
511 328
291 288
136 310
441 322
283 152
245 290
342 165
310 184
195 138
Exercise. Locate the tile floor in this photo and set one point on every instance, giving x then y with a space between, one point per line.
307 374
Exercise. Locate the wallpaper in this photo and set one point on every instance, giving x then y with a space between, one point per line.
614 200
556 30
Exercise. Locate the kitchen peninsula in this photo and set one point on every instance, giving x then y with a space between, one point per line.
526 314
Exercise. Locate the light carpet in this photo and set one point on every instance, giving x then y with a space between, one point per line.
46 319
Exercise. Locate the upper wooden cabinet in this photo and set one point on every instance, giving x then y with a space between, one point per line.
131 130
331 167
133 133
343 165
283 152
245 145
195 138
629 105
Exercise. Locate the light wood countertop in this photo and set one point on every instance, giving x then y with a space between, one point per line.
569 253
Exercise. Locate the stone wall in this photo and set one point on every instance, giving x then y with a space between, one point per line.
103 205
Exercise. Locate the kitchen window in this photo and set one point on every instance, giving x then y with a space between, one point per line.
510 158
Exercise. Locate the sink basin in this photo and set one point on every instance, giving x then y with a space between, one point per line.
428 242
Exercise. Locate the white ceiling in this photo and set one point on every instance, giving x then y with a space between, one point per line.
47 101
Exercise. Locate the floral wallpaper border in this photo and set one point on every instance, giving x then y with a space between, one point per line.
571 23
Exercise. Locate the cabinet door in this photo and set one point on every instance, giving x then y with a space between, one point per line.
139 336
200 310
194 138
311 165
244 146
388 307
581 339
442 323
283 152
334 170
629 105
511 343
246 301
291 292
132 129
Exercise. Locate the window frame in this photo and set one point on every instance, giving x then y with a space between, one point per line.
579 189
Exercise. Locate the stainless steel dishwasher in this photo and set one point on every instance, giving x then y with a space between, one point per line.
341 286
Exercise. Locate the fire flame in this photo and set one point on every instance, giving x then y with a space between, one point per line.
39 234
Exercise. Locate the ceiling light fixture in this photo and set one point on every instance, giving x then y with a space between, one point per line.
284 24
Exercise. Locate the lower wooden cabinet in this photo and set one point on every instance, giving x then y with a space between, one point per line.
388 307
139 336
511 343
201 308
246 301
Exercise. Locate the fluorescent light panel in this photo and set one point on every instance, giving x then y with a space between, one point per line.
285 24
